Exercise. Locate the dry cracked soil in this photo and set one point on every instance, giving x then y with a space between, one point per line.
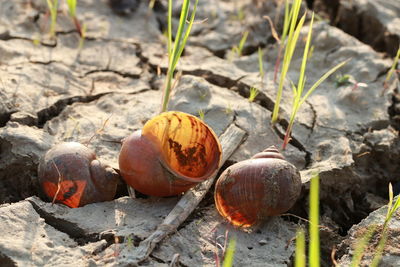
51 91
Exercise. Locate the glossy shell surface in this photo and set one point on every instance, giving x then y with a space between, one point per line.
249 191
71 174
173 152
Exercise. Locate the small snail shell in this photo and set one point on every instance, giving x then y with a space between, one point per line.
251 190
173 152
71 172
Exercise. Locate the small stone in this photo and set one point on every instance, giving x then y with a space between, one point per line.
262 242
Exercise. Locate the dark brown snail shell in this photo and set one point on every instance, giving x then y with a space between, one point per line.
173 152
251 190
70 174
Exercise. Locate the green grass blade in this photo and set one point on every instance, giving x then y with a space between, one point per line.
361 246
175 51
392 210
179 33
260 63
289 50
295 14
230 253
253 94
53 5
286 20
314 222
169 31
379 249
71 7
189 28
384 236
323 78
300 256
83 36
390 201
300 85
242 42
396 59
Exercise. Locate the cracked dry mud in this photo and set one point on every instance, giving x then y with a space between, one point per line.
51 92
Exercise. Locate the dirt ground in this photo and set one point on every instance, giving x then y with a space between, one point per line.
53 91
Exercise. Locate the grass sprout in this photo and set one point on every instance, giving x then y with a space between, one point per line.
253 93
392 208
72 13
238 49
201 114
72 7
292 35
391 71
298 98
342 80
347 79
175 50
300 257
289 20
53 6
36 40
260 64
83 36
129 242
229 110
361 246
314 248
313 244
230 253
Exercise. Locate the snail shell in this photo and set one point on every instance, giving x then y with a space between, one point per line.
251 190
172 153
70 172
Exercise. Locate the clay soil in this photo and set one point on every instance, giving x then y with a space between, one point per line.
52 90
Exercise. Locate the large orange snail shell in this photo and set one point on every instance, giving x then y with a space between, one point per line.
70 174
173 152
250 191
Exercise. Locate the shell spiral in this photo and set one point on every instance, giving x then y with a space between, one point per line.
250 191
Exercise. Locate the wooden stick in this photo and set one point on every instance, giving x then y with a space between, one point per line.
230 141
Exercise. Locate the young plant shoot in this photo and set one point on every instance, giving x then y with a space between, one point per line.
385 231
238 49
53 6
361 246
261 65
253 94
293 35
373 229
298 98
230 253
175 51
314 242
72 13
392 69
314 248
281 41
300 256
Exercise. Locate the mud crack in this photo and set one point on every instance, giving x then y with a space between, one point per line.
54 110
122 74
360 21
71 229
